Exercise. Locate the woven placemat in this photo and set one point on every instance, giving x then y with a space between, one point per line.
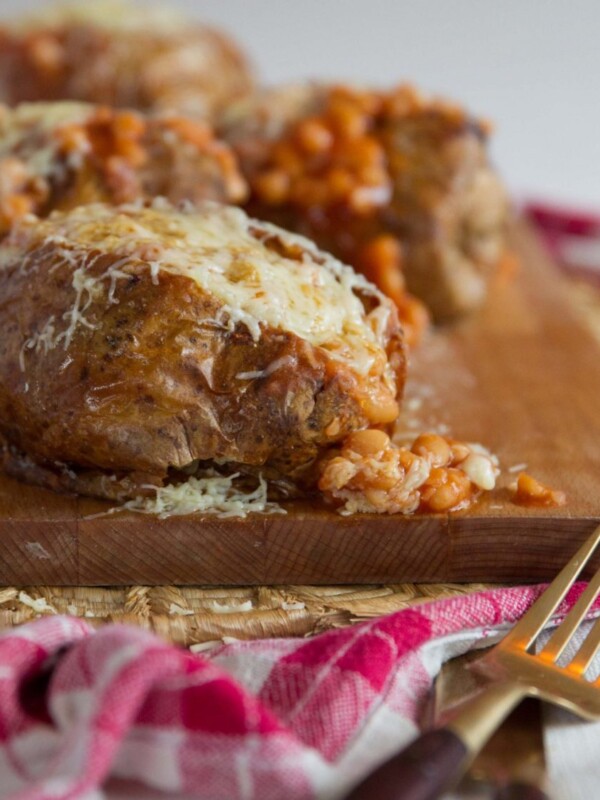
201 617
205 616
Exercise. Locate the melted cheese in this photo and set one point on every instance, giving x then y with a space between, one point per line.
107 14
227 255
27 132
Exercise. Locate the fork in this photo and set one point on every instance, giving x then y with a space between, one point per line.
437 759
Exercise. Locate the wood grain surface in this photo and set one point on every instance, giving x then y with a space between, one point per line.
521 377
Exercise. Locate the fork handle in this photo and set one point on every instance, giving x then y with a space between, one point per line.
521 791
422 771
437 759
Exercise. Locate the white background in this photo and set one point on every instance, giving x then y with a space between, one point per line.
533 66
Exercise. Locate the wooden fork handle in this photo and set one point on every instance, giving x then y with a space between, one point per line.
422 771
521 791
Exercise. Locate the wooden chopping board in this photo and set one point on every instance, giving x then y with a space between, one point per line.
522 377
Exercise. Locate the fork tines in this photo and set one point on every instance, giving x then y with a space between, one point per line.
525 632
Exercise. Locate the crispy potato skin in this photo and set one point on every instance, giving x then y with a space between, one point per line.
153 386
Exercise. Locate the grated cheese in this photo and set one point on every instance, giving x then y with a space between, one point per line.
28 132
225 253
278 363
212 494
91 285
517 467
107 14
44 339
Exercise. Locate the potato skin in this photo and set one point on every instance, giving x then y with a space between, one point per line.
153 385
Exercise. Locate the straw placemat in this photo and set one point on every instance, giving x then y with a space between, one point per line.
202 617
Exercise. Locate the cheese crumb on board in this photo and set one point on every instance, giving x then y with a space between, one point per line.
211 494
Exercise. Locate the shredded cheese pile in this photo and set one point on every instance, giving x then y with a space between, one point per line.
210 494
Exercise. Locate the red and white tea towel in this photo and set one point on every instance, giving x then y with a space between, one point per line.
118 713
572 236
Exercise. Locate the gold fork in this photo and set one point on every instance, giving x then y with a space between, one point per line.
438 758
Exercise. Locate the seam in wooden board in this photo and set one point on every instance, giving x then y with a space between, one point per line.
577 529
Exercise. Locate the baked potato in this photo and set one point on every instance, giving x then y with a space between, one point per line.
395 184
120 54
140 341
56 156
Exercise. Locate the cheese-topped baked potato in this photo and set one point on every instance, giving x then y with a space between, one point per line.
61 155
121 54
141 340
395 184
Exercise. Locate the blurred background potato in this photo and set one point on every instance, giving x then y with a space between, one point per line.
529 65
